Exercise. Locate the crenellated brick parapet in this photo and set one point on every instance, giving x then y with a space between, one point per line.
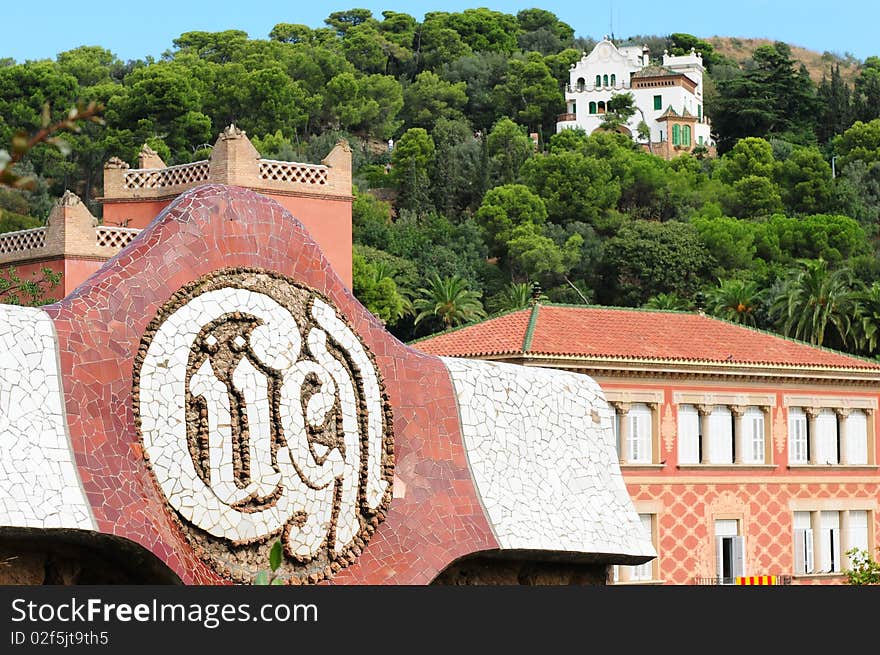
71 231
234 161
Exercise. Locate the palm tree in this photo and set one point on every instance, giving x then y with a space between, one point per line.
816 304
668 301
735 300
449 300
516 295
867 328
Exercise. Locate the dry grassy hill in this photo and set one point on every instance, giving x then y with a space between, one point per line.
818 64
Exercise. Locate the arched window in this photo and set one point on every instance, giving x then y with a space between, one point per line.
676 135
598 80
613 79
685 135
604 80
580 84
601 107
592 107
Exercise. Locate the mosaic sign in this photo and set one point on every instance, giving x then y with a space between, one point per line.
263 416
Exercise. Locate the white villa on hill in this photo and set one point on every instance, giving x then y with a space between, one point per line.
669 97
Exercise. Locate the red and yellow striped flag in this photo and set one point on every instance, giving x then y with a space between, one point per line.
756 580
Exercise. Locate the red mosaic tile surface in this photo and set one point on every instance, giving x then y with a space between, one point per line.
435 516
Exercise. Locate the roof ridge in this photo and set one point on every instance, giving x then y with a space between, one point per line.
530 330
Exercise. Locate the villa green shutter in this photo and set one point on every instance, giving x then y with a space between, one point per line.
658 102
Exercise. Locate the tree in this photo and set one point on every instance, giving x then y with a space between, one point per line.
730 241
805 178
482 30
375 288
543 32
530 93
412 158
771 97
867 327
735 300
437 44
817 304
342 21
860 142
621 108
291 33
753 197
574 187
646 258
750 156
836 106
682 43
531 255
456 171
508 147
865 570
368 105
505 208
866 94
516 295
429 97
668 302
481 72
449 301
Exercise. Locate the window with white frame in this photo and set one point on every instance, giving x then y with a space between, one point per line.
822 550
857 437
829 537
753 437
826 437
688 435
858 529
721 436
803 543
639 438
640 572
730 552
797 436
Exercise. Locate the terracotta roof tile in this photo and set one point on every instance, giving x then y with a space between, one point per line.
627 333
501 335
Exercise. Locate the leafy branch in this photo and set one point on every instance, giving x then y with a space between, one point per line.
271 577
22 142
15 291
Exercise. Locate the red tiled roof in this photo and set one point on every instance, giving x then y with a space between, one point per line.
627 333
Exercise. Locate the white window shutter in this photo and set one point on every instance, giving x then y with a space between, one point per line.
808 551
719 557
640 434
857 438
739 556
858 529
826 424
688 435
835 550
753 439
797 436
721 437
799 551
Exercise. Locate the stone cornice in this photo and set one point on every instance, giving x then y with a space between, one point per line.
635 368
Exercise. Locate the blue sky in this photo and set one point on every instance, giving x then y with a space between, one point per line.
134 30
